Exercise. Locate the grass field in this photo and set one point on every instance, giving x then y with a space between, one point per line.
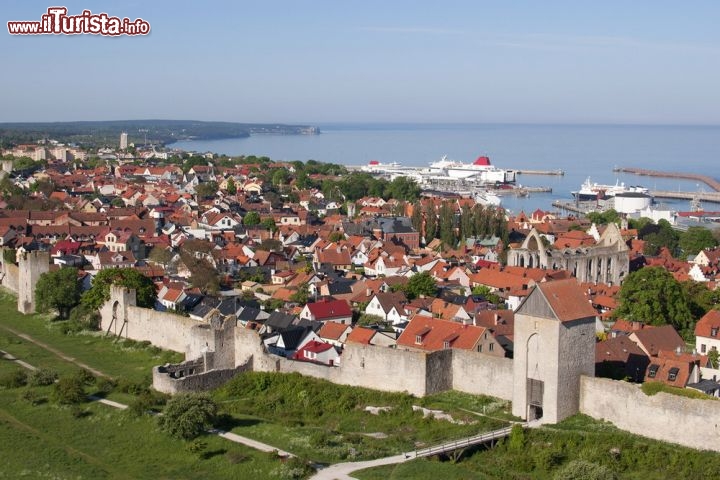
541 453
328 423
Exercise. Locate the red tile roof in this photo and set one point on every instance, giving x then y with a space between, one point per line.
435 333
708 324
566 299
328 309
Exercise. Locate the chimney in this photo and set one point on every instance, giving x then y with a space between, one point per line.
678 350
368 292
497 319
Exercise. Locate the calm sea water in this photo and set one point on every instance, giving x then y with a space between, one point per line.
580 151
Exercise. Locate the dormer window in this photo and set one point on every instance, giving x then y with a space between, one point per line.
446 344
672 374
714 331
418 339
653 371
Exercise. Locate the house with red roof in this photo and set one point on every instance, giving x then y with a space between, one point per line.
674 369
328 311
334 333
427 334
370 336
318 352
707 332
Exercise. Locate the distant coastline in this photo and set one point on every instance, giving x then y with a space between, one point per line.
165 132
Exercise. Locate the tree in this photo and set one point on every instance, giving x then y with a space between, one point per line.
99 293
161 255
269 223
58 290
431 223
280 176
485 292
651 295
301 295
420 284
696 239
231 188
251 218
713 357
447 224
186 416
206 189
659 236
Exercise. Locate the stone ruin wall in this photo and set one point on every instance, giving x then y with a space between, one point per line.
670 418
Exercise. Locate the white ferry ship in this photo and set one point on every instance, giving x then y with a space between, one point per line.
595 191
480 168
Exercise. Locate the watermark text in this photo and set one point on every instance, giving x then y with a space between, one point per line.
57 22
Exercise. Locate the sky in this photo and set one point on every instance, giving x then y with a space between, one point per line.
456 61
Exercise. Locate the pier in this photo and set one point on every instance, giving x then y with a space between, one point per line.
709 181
712 197
540 172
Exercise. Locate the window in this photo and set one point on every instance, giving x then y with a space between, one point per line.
653 371
446 344
491 347
702 348
672 374
480 348
418 339
714 331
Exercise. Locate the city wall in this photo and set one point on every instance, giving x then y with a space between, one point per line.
671 418
663 417
10 277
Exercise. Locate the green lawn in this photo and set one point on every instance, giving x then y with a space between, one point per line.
325 422
48 441
112 357
542 452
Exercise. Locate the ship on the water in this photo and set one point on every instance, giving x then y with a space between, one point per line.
374 166
595 191
480 169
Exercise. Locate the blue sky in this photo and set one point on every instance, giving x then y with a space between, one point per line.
574 61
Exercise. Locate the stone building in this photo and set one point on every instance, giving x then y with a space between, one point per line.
554 346
607 261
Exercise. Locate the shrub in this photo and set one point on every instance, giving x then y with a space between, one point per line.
84 377
15 379
133 388
32 397
105 385
584 470
69 390
146 402
42 377
651 388
186 416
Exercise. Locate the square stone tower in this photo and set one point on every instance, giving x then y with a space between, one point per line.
554 346
30 266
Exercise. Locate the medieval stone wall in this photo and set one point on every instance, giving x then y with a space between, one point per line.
671 418
481 374
10 276
204 381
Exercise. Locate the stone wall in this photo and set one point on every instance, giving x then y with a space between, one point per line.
120 316
30 266
670 418
10 276
481 374
195 382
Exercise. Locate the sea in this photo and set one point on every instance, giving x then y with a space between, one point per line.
580 151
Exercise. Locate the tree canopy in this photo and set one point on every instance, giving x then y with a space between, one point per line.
251 218
186 416
99 293
696 239
651 295
420 284
58 290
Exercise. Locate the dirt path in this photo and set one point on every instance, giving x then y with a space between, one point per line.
55 352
